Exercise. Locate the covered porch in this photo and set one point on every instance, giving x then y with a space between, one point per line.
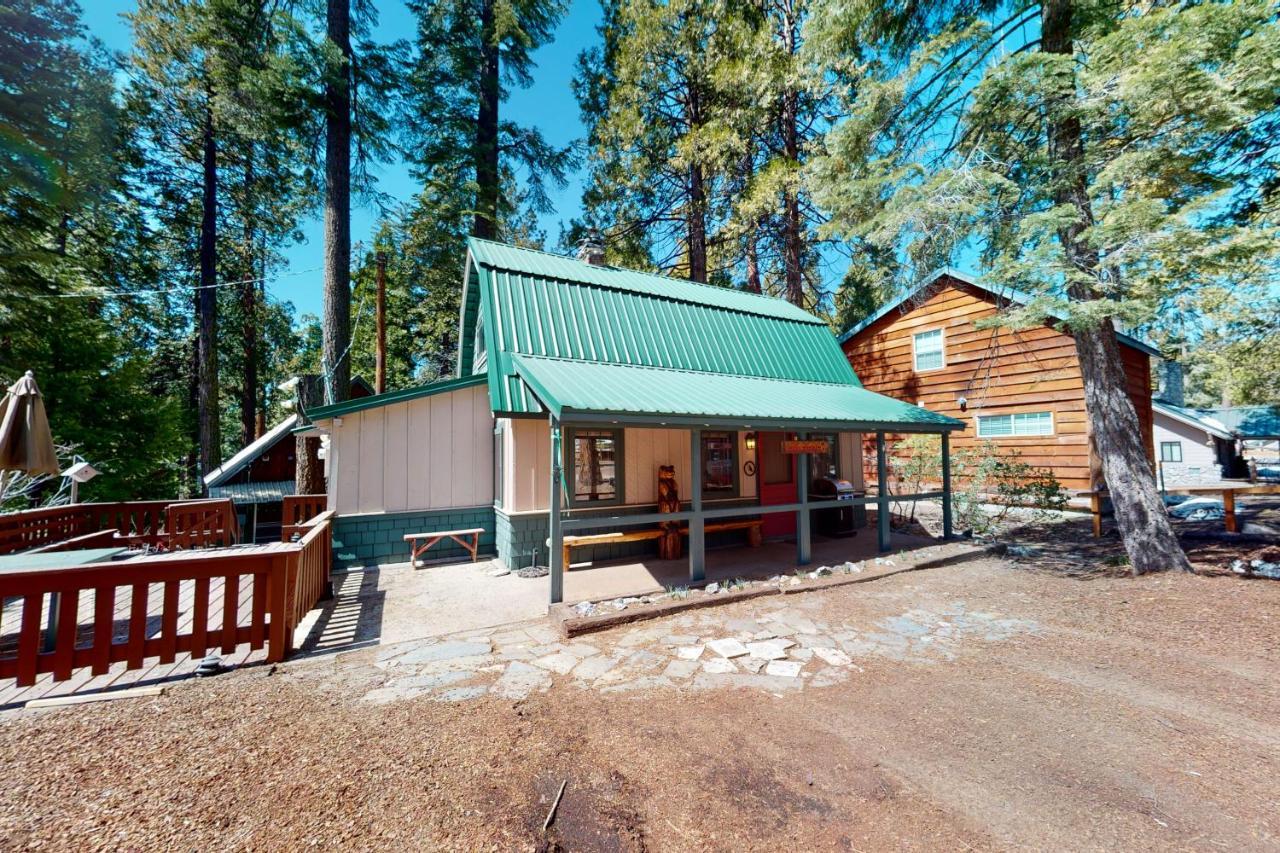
600 401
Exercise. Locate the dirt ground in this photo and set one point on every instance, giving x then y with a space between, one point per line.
1134 714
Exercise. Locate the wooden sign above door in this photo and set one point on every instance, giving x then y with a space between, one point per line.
813 445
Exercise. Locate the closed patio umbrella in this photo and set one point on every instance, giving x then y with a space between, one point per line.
26 444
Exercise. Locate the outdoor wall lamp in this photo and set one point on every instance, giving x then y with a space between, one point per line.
751 441
964 404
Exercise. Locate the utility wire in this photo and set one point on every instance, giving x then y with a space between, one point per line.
124 294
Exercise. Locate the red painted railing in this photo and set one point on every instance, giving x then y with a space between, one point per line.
296 509
136 524
179 602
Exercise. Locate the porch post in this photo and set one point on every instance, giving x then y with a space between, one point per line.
882 495
804 543
556 539
697 537
946 485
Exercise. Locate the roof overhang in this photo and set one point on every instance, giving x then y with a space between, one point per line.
595 392
1191 419
359 404
250 452
1006 294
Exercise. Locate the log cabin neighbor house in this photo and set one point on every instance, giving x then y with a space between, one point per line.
1021 389
576 383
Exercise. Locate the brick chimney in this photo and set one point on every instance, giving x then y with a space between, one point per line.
591 248
1171 385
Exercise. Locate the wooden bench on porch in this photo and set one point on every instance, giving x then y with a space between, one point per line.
469 539
752 526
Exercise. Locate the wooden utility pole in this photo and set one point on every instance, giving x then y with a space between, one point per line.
380 382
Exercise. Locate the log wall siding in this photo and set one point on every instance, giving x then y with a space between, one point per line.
998 371
431 453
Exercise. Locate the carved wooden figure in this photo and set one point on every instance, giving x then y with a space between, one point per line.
668 501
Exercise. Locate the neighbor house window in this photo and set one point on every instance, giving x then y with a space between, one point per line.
1019 424
1171 451
719 464
928 350
596 464
479 353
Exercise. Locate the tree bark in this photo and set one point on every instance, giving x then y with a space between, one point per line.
249 318
308 467
1144 526
792 225
207 413
752 248
696 216
336 363
485 224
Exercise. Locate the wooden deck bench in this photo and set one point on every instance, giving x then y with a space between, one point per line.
469 539
752 526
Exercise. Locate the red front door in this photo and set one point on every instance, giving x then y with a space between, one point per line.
777 473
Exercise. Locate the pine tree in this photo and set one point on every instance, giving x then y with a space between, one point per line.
1095 163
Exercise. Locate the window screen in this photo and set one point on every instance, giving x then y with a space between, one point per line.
596 461
928 350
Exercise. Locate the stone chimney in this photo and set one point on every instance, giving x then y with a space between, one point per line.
591 248
1171 386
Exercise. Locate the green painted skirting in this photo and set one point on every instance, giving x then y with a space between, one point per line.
377 539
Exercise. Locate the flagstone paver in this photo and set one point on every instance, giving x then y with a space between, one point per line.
782 649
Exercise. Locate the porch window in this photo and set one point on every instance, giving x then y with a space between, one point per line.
719 464
928 350
823 465
1015 425
1171 451
596 464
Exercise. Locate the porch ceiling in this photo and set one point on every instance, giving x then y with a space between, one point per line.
584 390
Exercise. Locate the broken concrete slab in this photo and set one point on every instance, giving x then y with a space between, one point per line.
834 657
444 651
680 669
594 667
559 662
784 668
766 650
520 680
728 647
689 652
718 666
752 664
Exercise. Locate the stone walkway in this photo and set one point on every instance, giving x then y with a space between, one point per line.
778 648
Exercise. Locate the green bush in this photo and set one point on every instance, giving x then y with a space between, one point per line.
985 482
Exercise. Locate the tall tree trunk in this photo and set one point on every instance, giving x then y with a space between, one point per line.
249 316
485 224
336 363
308 468
752 247
1144 525
792 224
207 413
696 216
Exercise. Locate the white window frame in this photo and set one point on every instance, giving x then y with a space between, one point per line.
915 350
1013 420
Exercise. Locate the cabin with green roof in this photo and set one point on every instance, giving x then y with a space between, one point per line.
577 384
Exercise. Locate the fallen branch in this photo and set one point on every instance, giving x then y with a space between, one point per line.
555 804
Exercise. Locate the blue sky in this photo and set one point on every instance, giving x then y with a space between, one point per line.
547 105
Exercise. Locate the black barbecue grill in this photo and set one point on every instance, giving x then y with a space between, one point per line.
835 520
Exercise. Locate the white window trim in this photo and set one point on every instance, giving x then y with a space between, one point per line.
942 347
1053 424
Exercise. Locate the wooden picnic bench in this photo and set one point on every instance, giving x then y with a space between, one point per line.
1228 501
469 539
752 526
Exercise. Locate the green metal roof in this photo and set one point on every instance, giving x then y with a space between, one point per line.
533 304
361 403
571 387
1253 422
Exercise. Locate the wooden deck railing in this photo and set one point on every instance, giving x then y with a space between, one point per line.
136 524
295 511
254 594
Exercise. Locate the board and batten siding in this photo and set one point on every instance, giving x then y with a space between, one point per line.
998 371
430 453
527 450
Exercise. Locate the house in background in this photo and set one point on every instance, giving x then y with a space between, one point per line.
1193 448
1021 389
577 382
261 473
